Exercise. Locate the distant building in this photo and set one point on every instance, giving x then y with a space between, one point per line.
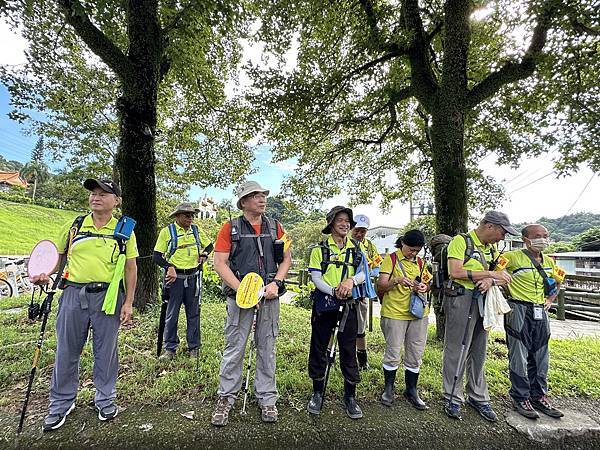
384 238
579 263
9 179
510 243
208 208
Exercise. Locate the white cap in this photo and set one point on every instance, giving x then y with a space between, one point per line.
362 221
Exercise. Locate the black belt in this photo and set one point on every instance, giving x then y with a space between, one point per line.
523 302
93 287
191 271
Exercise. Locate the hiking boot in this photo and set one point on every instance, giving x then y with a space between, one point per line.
220 415
525 409
543 405
484 409
109 412
55 421
387 398
268 413
167 354
352 409
363 362
193 353
315 403
452 410
411 394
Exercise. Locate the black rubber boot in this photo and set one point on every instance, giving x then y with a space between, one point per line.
387 398
363 361
316 400
352 408
411 394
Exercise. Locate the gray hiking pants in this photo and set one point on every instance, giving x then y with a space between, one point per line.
528 356
473 358
77 311
237 331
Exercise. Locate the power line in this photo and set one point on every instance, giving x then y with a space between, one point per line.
532 182
573 204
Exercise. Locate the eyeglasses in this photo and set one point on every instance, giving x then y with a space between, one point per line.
188 215
259 196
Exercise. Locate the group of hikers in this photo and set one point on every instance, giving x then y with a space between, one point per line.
341 268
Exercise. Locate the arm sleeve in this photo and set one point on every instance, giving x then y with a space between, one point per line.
159 259
386 265
457 248
319 283
131 250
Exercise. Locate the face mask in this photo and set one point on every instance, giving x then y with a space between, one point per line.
539 244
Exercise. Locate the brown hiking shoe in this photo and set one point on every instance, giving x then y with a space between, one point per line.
220 416
268 413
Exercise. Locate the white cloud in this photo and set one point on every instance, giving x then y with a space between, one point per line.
12 52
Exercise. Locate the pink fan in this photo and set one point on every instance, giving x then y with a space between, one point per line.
44 259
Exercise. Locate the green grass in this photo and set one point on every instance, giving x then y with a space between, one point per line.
144 380
24 225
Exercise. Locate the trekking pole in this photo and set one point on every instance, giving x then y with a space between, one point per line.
163 317
252 345
200 271
331 355
45 312
474 299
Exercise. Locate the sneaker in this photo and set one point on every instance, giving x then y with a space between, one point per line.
55 421
108 412
484 409
220 416
167 354
525 409
452 410
268 413
193 353
543 405
315 403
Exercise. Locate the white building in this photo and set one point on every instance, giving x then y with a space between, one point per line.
579 263
384 238
208 208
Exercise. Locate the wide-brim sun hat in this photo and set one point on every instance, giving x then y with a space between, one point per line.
247 188
331 217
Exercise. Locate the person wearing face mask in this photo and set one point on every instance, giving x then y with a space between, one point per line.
400 275
531 293
470 260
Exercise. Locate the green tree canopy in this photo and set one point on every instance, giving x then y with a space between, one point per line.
389 96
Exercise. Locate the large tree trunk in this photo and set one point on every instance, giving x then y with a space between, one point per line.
450 178
137 121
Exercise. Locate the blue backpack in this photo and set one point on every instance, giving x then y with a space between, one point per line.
172 244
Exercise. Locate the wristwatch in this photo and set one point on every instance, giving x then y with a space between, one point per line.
279 283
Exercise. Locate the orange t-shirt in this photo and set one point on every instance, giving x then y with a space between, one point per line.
223 243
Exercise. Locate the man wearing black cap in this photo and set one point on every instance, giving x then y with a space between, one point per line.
92 251
471 258
333 268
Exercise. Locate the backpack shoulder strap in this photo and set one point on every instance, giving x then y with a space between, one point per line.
357 254
234 233
172 244
273 227
470 247
75 227
325 255
196 235
394 259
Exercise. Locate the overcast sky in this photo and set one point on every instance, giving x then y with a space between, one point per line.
528 199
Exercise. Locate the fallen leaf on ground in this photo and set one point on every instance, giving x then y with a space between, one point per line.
188 415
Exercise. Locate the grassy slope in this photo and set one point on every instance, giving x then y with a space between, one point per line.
22 226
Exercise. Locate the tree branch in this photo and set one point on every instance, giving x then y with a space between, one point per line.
511 71
582 28
423 82
375 32
95 39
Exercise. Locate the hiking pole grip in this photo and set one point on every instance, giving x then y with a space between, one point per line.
36 358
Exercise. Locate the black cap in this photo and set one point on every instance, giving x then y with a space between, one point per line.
106 185
412 238
334 212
